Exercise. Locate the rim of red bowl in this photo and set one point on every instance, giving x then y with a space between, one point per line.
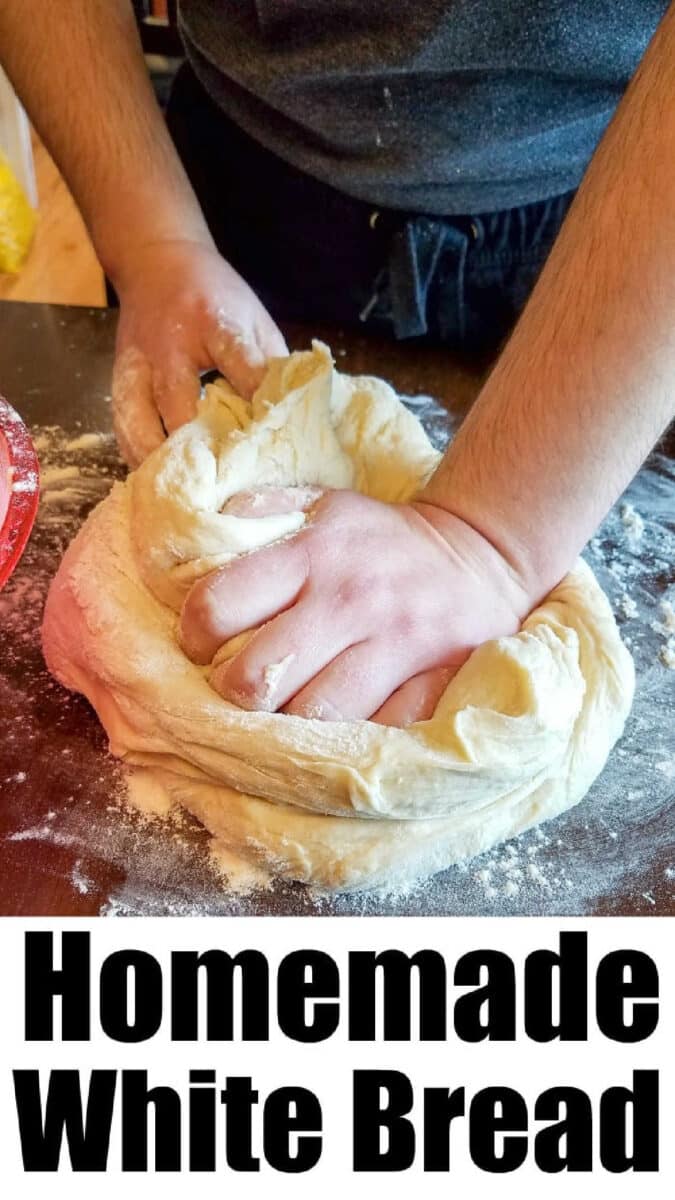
18 458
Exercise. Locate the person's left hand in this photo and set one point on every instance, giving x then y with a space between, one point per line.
366 612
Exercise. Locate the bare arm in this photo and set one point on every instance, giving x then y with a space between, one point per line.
587 382
79 69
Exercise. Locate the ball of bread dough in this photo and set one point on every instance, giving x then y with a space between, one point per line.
519 735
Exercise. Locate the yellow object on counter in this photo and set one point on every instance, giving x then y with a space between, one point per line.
17 221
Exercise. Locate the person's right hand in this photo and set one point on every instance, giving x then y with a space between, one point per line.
183 310
365 613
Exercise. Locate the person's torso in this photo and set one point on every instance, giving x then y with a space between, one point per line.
439 106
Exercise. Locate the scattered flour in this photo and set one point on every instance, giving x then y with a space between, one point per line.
666 626
240 877
668 616
274 673
80 881
618 843
50 476
628 606
633 524
42 833
667 654
88 441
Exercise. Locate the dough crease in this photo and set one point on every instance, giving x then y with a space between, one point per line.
519 735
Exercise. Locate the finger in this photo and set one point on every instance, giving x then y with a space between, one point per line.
243 357
250 590
176 387
241 361
416 700
280 659
351 687
136 422
271 501
270 339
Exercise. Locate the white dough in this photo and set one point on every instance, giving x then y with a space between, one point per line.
519 735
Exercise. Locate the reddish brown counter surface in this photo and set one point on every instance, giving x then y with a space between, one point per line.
68 844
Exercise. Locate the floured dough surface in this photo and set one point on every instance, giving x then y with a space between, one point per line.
519 735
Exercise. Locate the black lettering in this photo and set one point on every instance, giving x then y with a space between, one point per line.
397 969
219 969
87 1137
612 989
372 1117
136 1100
43 983
441 1106
614 1105
294 989
494 1110
239 1096
202 1121
147 989
280 1124
575 1130
497 996
569 967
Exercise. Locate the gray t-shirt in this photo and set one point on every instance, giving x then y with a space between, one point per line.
436 106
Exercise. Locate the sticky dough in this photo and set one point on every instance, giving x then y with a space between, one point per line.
519 735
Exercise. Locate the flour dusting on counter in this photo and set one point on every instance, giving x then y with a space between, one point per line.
101 821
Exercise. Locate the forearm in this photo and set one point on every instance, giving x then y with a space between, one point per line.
586 384
78 67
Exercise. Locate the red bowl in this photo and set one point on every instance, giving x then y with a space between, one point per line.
19 488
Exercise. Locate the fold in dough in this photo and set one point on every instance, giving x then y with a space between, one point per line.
519 735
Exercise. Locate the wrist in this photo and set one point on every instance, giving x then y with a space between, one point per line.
516 511
124 264
121 239
534 554
483 557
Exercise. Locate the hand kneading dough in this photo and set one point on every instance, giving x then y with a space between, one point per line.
519 735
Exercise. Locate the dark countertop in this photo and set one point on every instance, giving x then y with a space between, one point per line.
69 844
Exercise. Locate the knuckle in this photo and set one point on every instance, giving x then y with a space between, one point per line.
350 593
405 625
199 617
340 505
242 681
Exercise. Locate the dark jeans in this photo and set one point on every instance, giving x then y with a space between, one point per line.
314 254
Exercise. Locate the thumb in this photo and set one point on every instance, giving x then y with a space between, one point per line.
272 501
